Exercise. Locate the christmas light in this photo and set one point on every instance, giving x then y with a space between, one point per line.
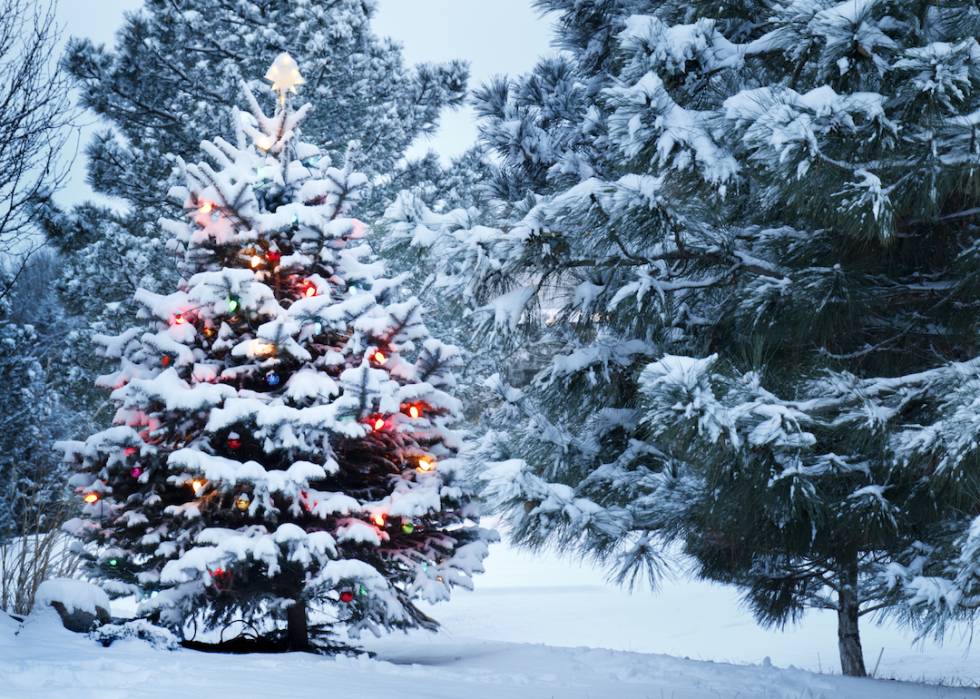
233 304
265 143
242 502
206 207
256 261
273 255
130 451
234 443
165 360
222 578
379 424
136 472
317 328
408 527
379 357
413 411
91 498
198 487
346 595
310 290
113 561
179 319
424 465
379 519
272 378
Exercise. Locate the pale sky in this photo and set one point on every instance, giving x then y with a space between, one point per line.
495 36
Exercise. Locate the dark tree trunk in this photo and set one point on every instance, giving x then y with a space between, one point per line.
299 638
848 635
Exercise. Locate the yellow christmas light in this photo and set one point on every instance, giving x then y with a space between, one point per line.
256 261
424 465
284 75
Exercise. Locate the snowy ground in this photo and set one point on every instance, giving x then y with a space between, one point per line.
535 628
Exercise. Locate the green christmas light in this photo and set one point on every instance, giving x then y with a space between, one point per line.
233 304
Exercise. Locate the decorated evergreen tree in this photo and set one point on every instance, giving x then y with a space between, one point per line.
751 237
282 437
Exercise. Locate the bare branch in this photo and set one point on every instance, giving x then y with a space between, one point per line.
37 120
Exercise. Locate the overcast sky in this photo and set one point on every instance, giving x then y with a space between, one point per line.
495 36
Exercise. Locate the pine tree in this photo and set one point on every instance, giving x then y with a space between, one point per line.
282 438
171 80
749 228
32 418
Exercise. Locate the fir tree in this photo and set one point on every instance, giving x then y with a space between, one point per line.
751 236
282 438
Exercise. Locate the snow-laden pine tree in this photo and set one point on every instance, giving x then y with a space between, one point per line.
172 80
749 229
283 438
32 419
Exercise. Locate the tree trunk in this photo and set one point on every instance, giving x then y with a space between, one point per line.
848 636
299 638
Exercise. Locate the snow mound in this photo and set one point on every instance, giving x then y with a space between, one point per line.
74 595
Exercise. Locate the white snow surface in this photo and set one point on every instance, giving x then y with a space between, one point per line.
536 628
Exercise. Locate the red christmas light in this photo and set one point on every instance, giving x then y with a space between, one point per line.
130 451
379 357
346 595
136 472
273 255
413 411
379 424
222 579
179 319
234 443
310 290
165 360
379 519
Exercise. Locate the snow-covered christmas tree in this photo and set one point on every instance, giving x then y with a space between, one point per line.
283 437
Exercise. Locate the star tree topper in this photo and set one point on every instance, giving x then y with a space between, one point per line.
284 75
